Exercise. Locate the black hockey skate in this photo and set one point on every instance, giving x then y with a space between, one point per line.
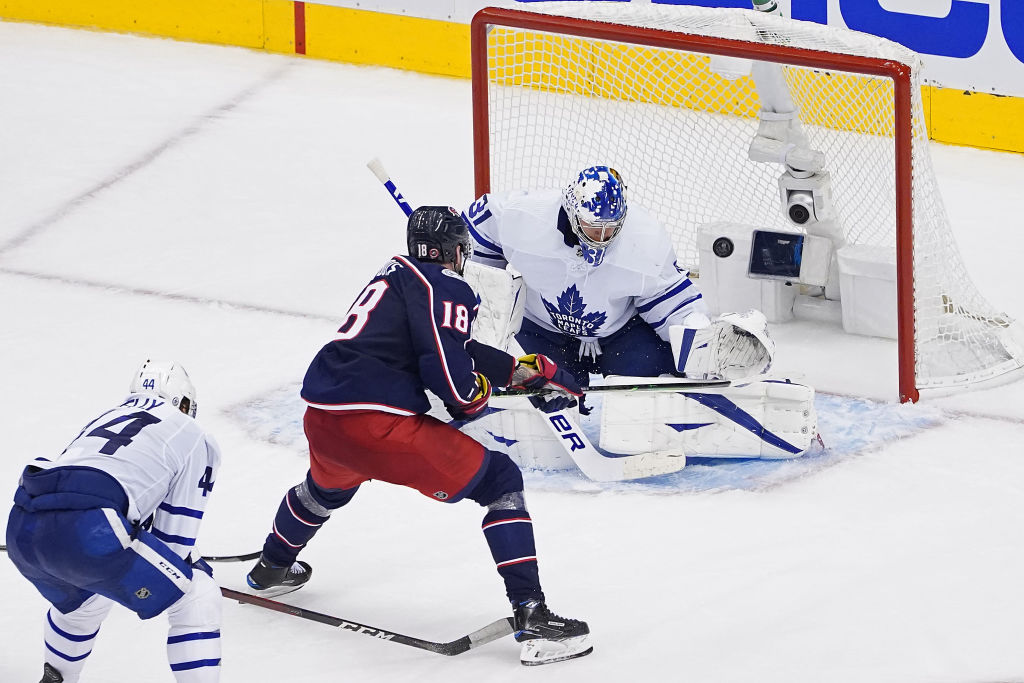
547 637
51 675
268 579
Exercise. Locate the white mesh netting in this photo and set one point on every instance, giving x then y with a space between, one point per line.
679 131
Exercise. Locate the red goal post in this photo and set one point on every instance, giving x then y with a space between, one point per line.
546 44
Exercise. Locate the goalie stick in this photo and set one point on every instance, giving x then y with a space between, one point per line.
666 386
600 467
378 170
481 636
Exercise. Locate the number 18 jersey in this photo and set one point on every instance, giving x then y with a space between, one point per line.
408 330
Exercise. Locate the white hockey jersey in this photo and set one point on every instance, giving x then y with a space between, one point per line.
639 274
165 462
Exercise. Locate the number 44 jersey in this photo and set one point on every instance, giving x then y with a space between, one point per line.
164 460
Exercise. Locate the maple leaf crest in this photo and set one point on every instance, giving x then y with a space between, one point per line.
570 316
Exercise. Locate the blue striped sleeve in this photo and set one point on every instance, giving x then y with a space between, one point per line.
171 538
678 307
184 511
483 241
665 296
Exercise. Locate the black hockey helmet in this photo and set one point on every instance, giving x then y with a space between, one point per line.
434 232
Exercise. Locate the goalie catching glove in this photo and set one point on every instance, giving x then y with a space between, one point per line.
733 346
537 371
476 405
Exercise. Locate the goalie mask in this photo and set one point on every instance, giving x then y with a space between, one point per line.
435 232
595 204
168 381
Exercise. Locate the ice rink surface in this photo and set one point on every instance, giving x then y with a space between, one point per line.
163 199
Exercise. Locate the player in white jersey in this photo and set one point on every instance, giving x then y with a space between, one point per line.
114 519
603 285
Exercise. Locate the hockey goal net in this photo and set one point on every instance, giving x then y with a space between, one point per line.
645 89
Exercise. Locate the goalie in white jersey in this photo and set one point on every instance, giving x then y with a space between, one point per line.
114 519
603 285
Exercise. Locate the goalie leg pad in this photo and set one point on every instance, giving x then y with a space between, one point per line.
771 420
519 429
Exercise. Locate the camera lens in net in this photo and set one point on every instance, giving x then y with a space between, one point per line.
798 213
723 247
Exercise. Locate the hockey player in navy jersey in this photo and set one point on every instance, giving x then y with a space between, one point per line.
603 288
409 330
114 519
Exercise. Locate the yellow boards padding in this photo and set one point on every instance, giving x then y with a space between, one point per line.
224 22
360 37
961 117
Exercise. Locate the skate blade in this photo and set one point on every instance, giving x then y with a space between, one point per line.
538 652
559 659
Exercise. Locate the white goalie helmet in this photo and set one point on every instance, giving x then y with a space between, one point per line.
595 203
167 380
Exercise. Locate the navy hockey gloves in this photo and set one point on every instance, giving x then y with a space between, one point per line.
477 404
537 371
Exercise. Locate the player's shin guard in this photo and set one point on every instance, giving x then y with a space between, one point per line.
301 514
193 639
69 637
509 534
508 528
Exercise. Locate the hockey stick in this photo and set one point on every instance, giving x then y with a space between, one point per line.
382 175
209 558
667 386
600 467
232 558
493 631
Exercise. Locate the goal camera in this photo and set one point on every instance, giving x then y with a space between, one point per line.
806 197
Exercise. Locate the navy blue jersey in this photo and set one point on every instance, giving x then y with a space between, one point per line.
409 329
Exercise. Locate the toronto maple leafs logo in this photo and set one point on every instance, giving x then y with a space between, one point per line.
570 314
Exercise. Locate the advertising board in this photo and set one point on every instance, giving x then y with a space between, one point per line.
975 45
